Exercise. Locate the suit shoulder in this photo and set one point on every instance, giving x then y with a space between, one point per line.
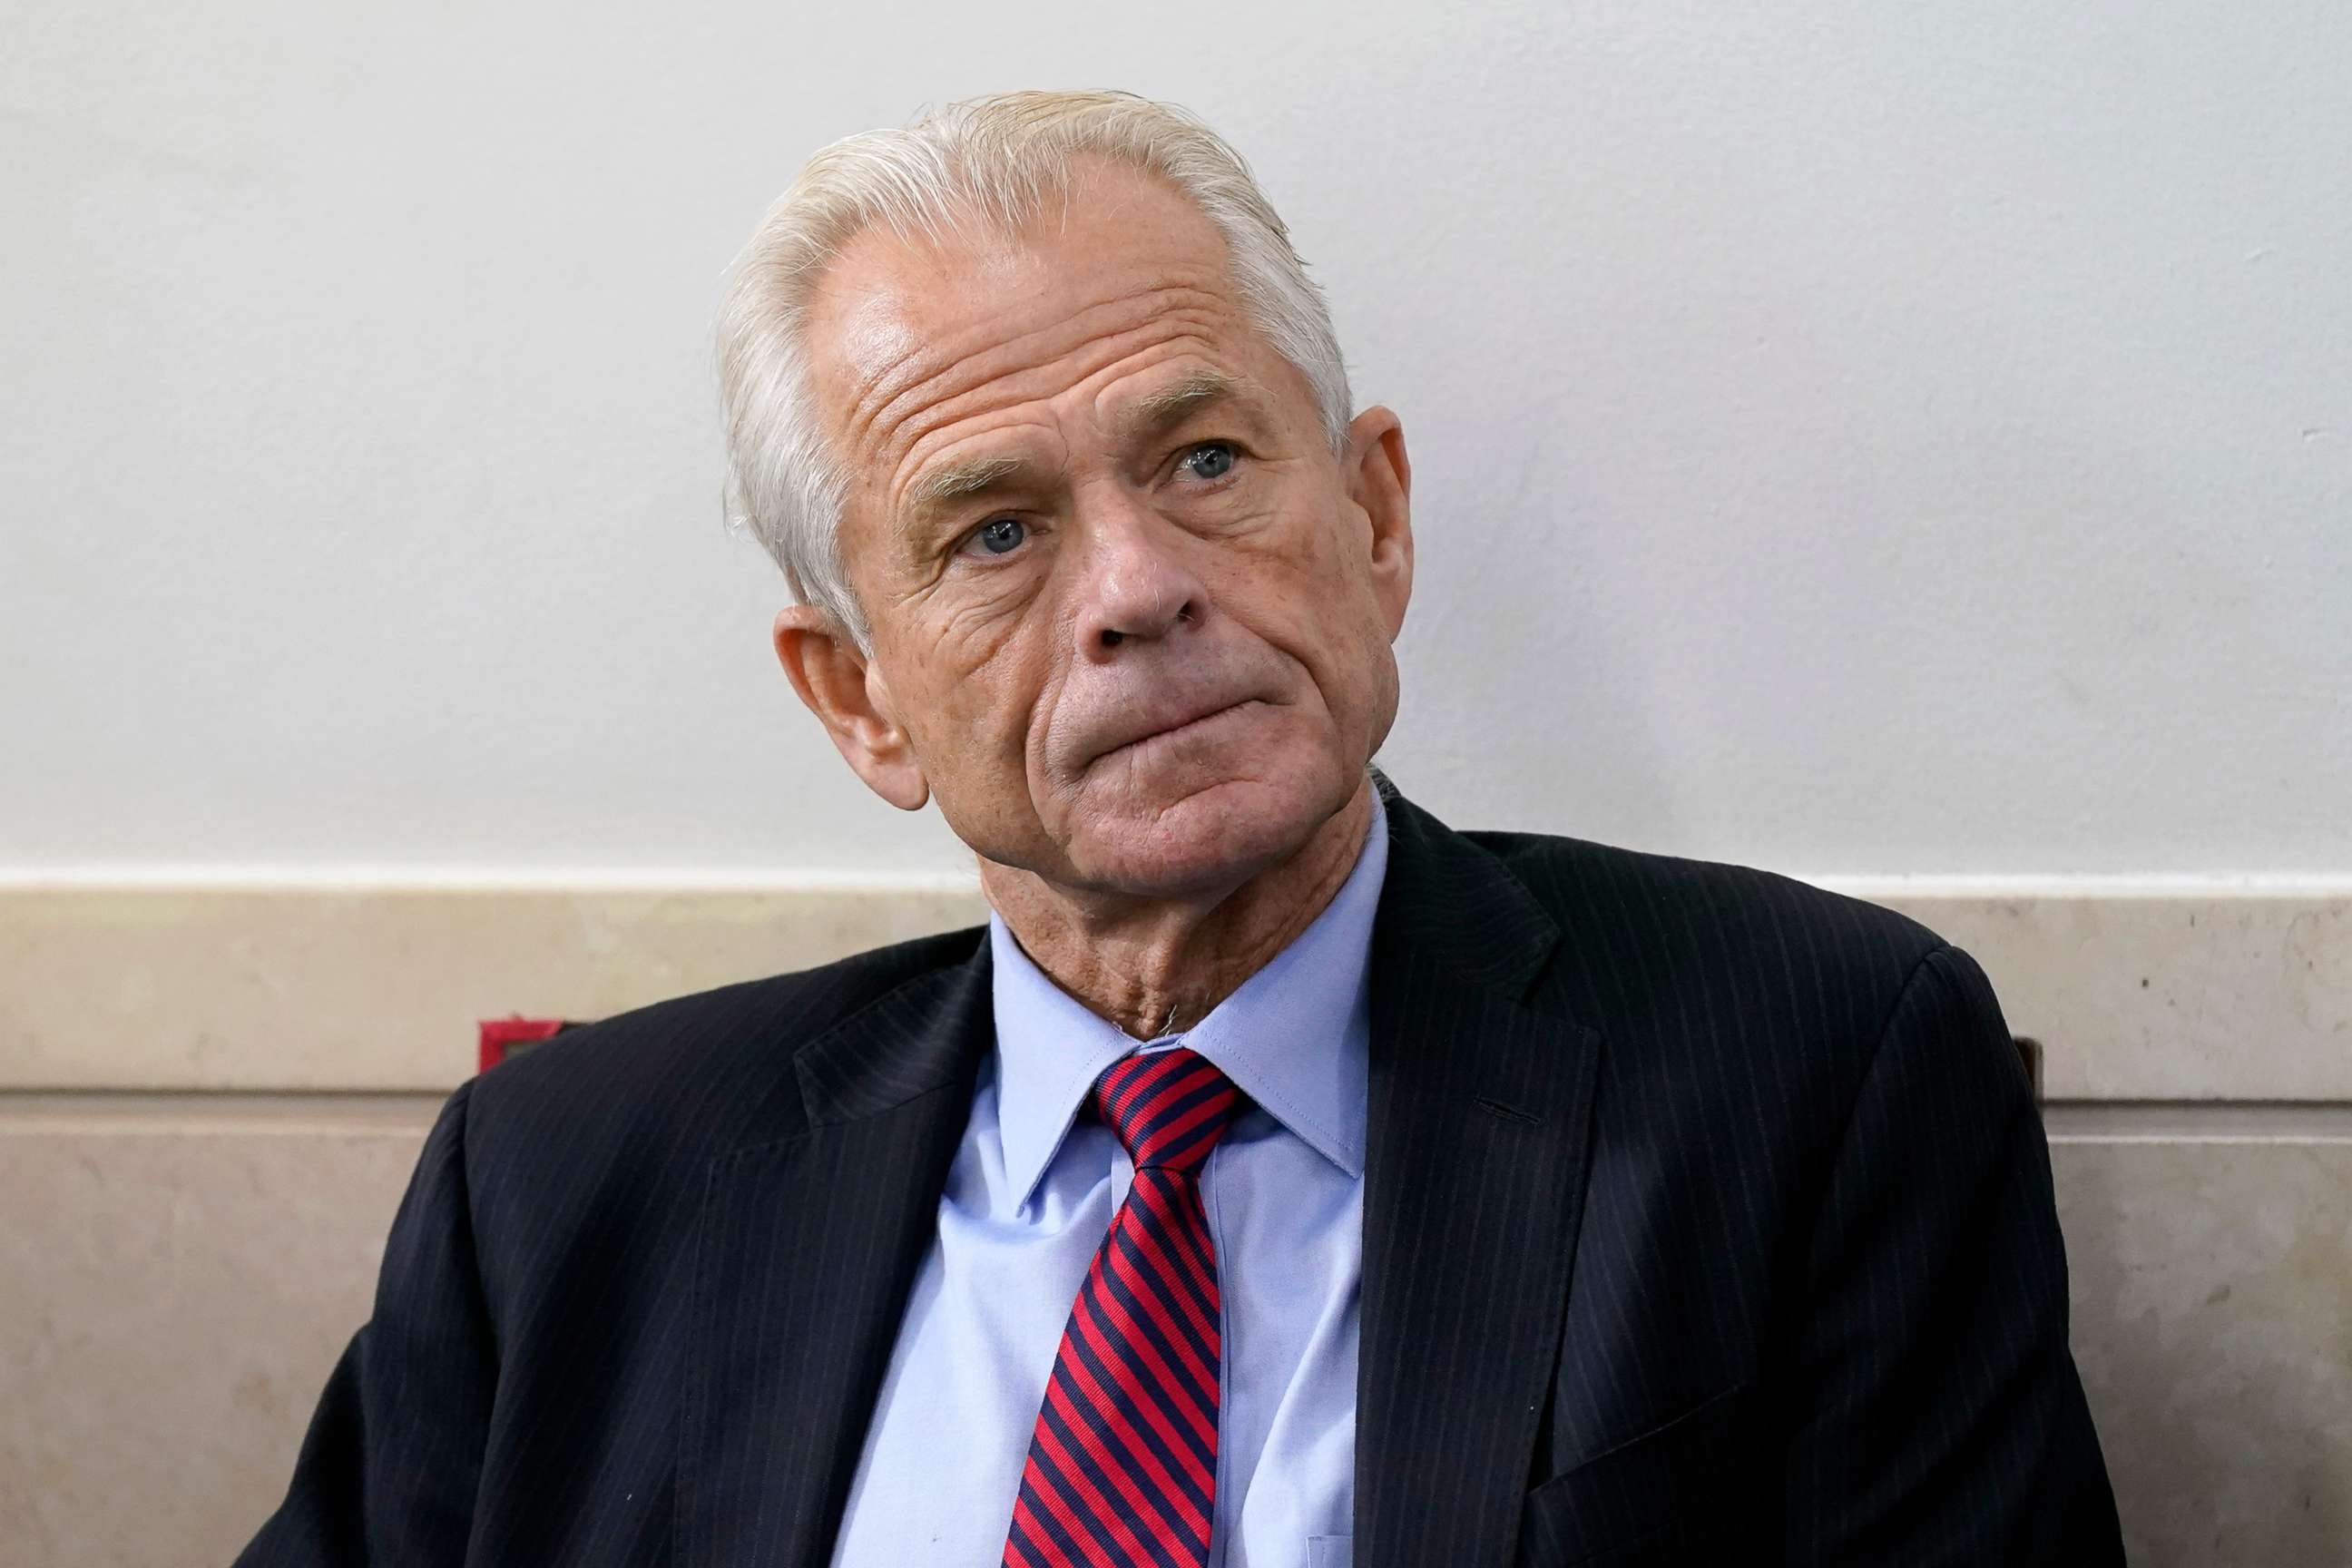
1694 919
1744 1009
664 1059
582 1160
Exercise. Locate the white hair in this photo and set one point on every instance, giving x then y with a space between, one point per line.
998 160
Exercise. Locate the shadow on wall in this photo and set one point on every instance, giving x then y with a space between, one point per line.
2213 1322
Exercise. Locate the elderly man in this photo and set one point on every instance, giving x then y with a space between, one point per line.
1281 1177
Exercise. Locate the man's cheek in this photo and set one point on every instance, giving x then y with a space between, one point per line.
979 723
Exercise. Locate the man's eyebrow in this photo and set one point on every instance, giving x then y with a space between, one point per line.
937 489
1168 406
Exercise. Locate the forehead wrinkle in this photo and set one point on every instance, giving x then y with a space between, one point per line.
982 379
972 363
1164 407
937 430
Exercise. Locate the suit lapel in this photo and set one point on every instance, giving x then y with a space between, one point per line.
1475 1176
808 1246
1473 1185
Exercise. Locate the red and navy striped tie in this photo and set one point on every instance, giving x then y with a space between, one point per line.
1123 1464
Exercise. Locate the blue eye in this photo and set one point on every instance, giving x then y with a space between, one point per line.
1210 460
1001 534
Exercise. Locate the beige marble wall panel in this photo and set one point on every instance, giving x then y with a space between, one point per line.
360 990
171 1303
2211 1284
2140 996
2137 996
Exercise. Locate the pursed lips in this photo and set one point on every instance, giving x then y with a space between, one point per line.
1184 721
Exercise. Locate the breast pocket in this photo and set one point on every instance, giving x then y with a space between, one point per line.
1661 1497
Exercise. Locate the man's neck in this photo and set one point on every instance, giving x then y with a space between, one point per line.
1157 966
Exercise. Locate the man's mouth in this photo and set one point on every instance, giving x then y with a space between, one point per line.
1179 726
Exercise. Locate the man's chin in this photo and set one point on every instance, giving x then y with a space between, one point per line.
1204 840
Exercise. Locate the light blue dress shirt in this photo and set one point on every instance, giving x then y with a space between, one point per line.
1030 1198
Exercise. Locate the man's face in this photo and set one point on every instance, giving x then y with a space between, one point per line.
1131 616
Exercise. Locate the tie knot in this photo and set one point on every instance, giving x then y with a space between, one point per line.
1168 1108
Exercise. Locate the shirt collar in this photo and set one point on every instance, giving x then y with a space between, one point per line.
1294 1037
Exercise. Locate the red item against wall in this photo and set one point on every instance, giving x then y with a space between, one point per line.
502 1038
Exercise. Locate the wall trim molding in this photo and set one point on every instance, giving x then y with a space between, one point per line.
2141 989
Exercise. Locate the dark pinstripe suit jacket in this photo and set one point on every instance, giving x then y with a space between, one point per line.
1707 1218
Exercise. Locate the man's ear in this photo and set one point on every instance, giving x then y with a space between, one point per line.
1380 481
845 690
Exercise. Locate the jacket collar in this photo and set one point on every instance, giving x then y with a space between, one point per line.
1474 1170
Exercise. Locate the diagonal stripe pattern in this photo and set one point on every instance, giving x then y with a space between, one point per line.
1122 1466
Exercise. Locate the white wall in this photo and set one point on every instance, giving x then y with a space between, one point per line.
1848 438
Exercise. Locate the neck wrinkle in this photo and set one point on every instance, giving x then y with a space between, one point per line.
1177 969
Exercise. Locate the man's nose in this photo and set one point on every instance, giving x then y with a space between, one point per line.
1135 583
